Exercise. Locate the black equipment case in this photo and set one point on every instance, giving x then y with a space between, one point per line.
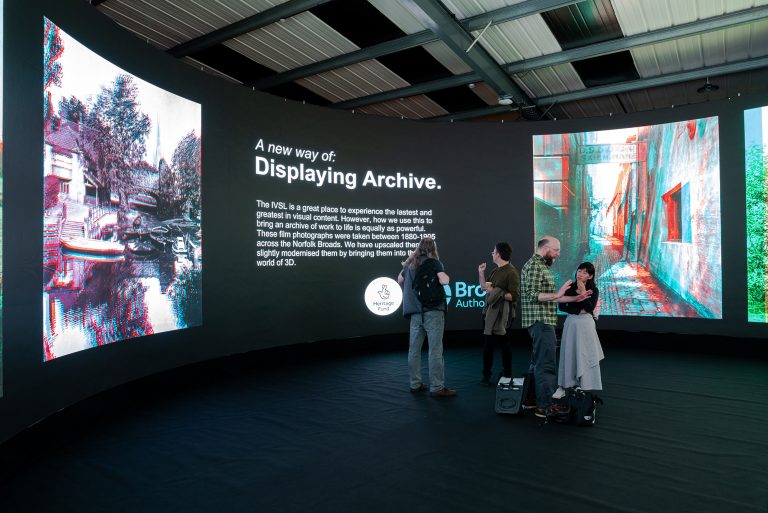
510 393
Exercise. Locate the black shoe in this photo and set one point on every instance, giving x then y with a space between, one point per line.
486 382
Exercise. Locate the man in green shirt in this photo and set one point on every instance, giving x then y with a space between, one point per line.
506 280
538 300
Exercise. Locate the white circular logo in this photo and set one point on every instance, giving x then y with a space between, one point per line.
383 296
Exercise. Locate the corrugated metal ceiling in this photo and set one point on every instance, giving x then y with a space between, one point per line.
382 57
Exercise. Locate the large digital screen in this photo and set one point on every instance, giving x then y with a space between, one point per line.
122 235
314 206
756 163
336 215
642 204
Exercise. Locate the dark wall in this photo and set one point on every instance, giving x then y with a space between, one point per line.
486 195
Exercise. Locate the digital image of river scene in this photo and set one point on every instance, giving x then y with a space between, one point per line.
153 286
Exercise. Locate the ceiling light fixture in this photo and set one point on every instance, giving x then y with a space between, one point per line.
505 99
707 87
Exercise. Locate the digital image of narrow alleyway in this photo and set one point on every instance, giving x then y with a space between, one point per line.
628 288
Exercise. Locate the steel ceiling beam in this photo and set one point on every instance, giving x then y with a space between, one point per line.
657 81
257 21
513 12
404 92
433 15
693 28
473 23
474 113
595 50
364 54
623 87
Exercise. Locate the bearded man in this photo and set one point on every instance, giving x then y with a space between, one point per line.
538 300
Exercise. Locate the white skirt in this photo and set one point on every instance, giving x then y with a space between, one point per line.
580 354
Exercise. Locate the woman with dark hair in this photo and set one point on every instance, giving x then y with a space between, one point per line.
580 350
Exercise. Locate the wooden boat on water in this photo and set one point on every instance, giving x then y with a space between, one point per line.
181 225
135 234
92 246
142 201
160 236
158 241
141 248
181 264
179 246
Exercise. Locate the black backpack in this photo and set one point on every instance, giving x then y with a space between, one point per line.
584 407
427 287
578 407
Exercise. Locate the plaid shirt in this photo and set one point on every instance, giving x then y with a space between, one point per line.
537 278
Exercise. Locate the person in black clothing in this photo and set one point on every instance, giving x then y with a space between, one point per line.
580 349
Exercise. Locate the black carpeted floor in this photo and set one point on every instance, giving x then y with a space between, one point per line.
677 433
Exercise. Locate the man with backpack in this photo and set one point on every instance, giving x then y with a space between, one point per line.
422 278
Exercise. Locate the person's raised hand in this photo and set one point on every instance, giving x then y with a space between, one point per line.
561 292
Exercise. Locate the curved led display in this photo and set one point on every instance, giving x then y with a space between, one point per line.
642 204
122 240
756 163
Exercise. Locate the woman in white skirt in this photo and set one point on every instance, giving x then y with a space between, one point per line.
580 350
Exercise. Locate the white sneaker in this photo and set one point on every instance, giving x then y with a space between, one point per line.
559 393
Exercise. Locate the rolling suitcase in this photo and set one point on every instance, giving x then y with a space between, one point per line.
510 393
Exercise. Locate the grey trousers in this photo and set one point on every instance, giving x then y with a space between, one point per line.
543 362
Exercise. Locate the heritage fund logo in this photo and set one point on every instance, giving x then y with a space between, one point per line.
383 296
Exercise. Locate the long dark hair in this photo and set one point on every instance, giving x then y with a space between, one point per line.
427 247
590 268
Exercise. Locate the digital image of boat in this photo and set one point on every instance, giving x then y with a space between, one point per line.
186 226
181 225
181 264
179 246
142 201
92 246
160 237
108 232
131 234
141 248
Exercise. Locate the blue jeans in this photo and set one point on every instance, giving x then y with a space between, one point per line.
432 327
543 362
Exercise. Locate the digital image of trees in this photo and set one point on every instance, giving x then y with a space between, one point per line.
112 141
756 163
